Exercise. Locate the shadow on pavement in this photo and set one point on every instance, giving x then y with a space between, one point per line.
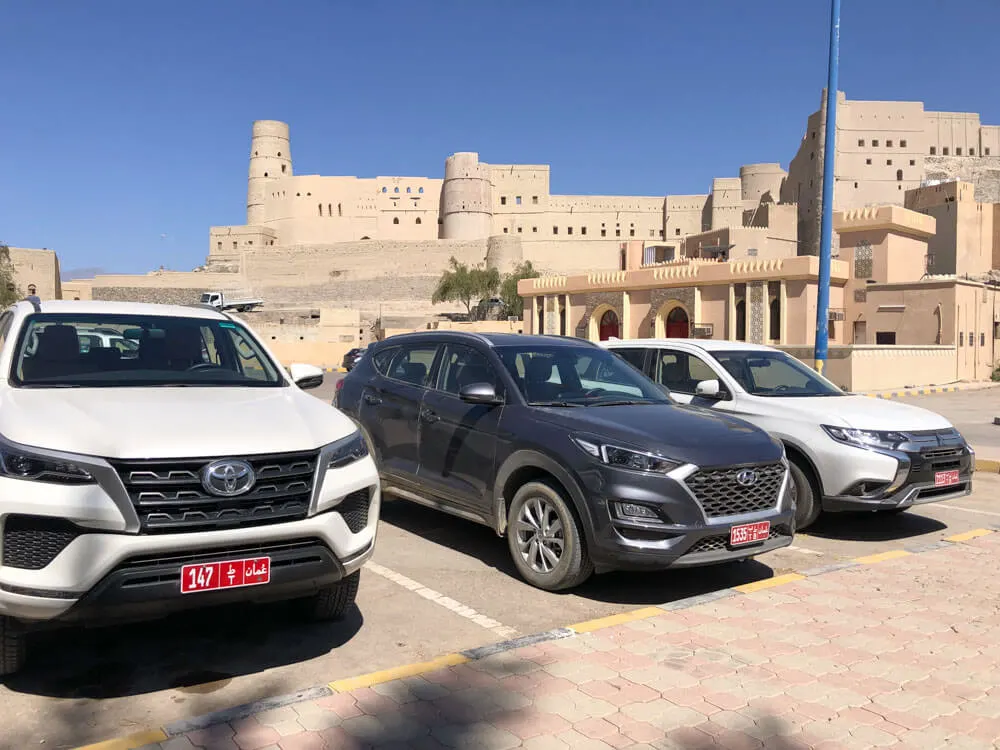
196 652
874 527
481 543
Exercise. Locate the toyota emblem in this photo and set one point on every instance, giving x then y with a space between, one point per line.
228 478
747 477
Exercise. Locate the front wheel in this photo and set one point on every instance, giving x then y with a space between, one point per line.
13 651
807 505
545 540
334 602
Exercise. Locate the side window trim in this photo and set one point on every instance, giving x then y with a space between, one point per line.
440 371
658 364
432 371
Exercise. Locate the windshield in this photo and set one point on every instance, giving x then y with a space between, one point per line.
774 373
64 350
577 376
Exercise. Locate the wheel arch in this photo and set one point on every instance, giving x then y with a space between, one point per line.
804 461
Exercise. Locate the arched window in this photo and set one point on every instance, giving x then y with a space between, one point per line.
265 174
418 220
340 209
420 190
283 168
320 207
395 189
899 175
408 190
395 219
329 209
279 153
385 190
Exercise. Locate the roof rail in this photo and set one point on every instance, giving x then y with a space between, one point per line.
35 301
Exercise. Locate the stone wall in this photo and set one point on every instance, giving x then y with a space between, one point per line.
657 298
981 171
593 300
156 295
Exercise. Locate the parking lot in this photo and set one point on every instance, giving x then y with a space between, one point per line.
438 584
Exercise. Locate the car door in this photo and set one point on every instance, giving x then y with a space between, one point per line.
458 439
390 407
681 371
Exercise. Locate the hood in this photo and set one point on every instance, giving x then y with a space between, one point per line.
690 434
170 422
860 412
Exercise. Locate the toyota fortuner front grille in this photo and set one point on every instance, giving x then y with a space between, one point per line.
737 490
169 497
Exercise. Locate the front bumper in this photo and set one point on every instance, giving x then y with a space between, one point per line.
919 468
110 575
683 534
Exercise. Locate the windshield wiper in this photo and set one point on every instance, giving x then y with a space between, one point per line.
555 403
626 402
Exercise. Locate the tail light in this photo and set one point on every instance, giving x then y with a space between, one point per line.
340 384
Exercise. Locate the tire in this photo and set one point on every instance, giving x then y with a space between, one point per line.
334 602
550 571
807 506
13 651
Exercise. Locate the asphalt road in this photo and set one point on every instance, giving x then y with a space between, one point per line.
439 584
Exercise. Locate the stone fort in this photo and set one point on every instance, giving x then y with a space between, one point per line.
378 245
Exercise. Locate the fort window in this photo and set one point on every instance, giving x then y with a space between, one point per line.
583 230
913 162
503 200
283 168
888 162
534 229
652 232
933 150
569 230
534 199
958 151
255 153
520 229
329 209
395 189
972 152
986 152
861 142
419 221
395 219
875 144
249 242
219 245
677 232
888 144
420 190
517 200
385 190
279 153
298 195
408 190
812 155
308 193
618 233
899 175
888 338
505 230
234 246
902 144
944 151
604 233
265 174
868 162
555 230
320 207
661 234
340 211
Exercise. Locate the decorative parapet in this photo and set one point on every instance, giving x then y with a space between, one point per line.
687 271
605 278
548 282
745 267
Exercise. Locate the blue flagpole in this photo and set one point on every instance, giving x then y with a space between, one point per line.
829 167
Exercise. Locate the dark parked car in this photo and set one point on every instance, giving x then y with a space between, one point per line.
578 458
352 357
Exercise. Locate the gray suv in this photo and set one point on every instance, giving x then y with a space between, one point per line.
580 460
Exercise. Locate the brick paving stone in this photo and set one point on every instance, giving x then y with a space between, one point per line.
303 741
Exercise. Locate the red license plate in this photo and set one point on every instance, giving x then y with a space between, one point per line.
749 533
946 478
230 574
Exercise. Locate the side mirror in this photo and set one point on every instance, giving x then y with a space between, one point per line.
480 393
306 376
709 389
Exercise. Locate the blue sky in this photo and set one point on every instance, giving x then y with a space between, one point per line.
125 125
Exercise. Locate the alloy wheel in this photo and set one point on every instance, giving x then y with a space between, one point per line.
539 533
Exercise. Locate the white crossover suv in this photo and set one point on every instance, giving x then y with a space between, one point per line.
847 452
190 471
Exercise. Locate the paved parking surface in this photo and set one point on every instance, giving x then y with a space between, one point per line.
438 585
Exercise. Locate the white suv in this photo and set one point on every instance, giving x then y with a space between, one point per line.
195 472
847 452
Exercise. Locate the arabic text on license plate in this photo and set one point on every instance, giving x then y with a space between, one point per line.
946 478
749 533
229 574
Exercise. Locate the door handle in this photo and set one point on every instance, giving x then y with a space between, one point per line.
372 400
428 416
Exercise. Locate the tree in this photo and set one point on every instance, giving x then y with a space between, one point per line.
9 293
465 285
508 289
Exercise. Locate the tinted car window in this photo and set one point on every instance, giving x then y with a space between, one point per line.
581 376
412 364
681 372
773 373
635 357
383 359
462 366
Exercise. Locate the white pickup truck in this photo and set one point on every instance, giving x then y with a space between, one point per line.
191 472
218 300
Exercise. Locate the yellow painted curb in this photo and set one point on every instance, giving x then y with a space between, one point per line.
611 620
397 673
132 741
881 557
966 536
988 465
769 583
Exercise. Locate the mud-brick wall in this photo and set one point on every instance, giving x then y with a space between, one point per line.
188 296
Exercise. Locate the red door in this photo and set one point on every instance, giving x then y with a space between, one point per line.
609 327
678 326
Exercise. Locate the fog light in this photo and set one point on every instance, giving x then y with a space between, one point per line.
634 510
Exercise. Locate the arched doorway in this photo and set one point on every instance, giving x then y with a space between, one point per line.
741 320
677 324
609 327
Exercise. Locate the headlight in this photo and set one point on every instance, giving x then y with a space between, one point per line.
348 450
865 438
627 458
20 464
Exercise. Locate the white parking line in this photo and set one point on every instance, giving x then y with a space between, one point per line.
944 506
803 550
438 598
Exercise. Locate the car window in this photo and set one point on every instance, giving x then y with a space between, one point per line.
462 366
775 373
5 321
681 372
383 359
109 350
412 364
635 357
